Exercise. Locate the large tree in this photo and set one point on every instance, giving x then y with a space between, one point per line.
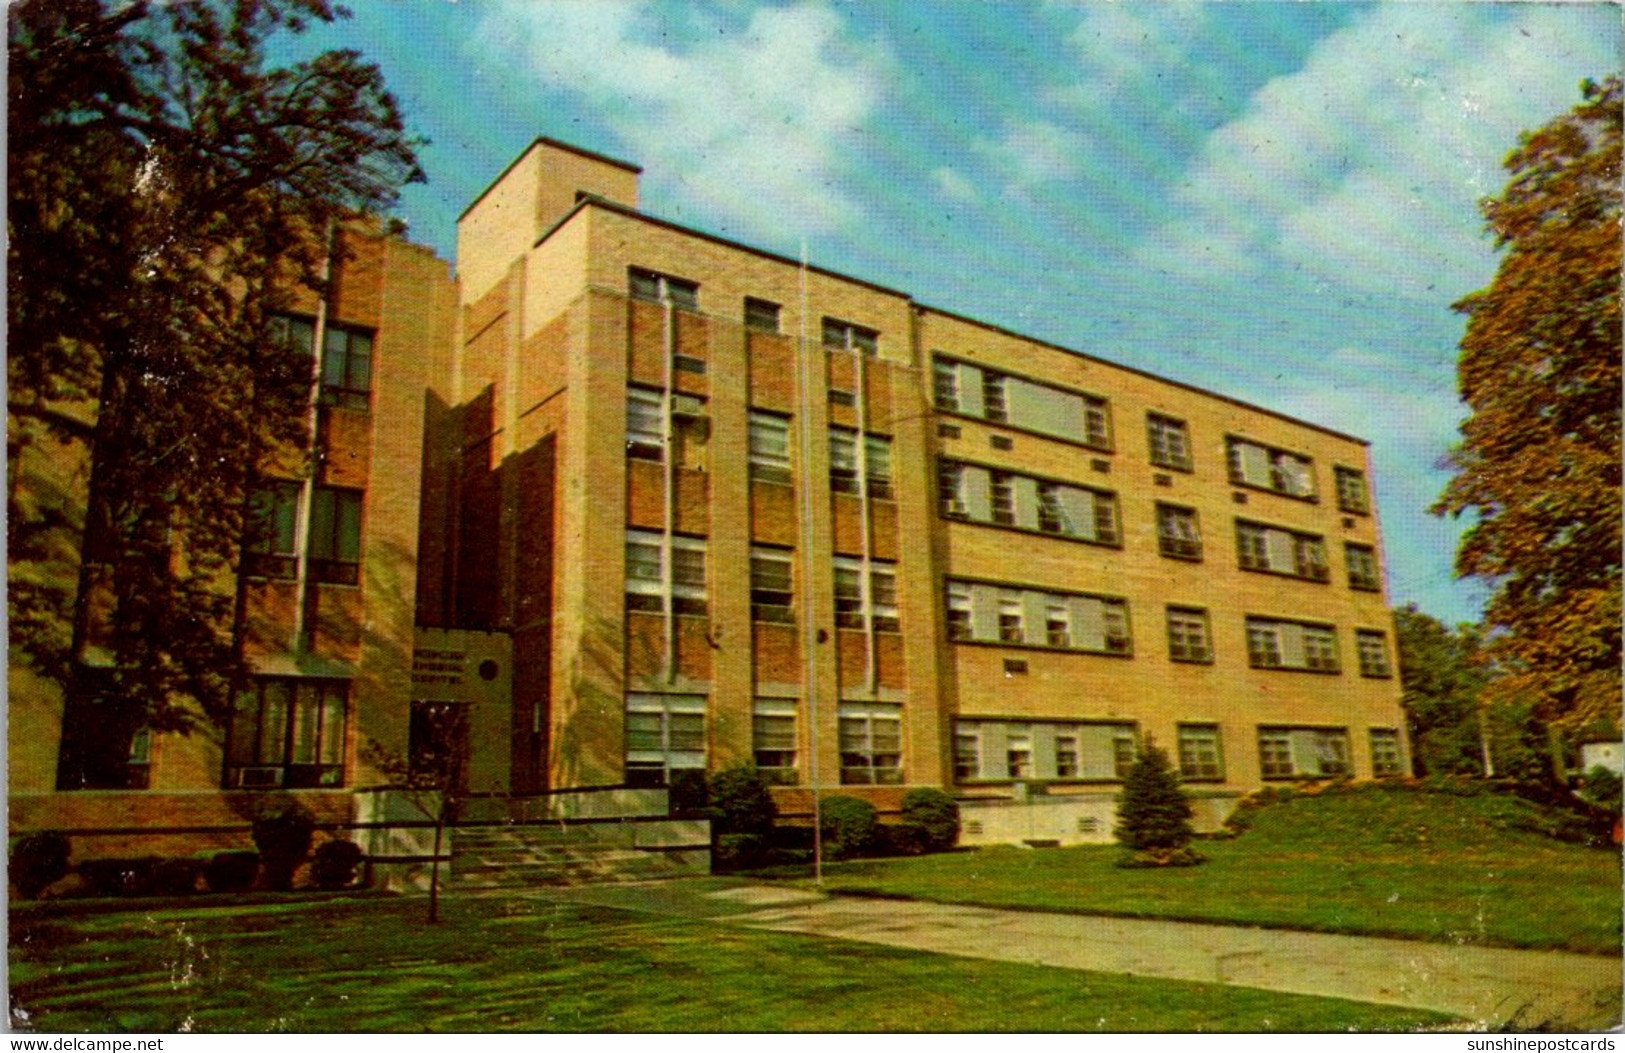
168 189
1443 680
1538 467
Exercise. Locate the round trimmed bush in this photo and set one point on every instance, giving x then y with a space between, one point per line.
120 877
334 865
283 832
39 861
232 871
847 825
741 802
176 877
937 816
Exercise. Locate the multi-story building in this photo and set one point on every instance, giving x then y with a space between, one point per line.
627 499
733 508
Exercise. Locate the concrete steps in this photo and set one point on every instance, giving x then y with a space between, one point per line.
521 856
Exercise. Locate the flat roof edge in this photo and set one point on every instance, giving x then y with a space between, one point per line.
558 144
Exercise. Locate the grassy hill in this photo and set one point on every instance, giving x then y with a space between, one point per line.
1365 859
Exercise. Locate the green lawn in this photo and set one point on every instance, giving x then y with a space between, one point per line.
1381 862
374 965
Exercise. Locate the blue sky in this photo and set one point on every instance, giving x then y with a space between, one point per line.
1277 201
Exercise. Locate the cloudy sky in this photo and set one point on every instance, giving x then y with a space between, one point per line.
1273 200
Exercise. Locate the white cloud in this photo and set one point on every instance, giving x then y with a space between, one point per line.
1364 167
1031 154
749 124
1121 43
952 184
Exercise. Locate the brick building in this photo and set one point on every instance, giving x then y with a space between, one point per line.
627 498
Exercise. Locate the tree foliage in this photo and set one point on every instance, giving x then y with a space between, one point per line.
167 189
1153 814
1538 466
1443 681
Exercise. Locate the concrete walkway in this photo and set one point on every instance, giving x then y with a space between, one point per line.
1486 986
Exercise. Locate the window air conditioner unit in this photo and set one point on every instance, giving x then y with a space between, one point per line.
687 406
259 777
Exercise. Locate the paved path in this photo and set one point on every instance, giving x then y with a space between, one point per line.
1488 987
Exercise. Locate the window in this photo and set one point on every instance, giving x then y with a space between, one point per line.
647 587
664 734
1124 748
335 536
1351 491
1279 551
1305 753
950 489
1267 468
288 732
771 593
645 425
844 336
993 405
1177 534
769 448
849 597
346 367
871 743
1188 635
1105 518
296 334
1361 561
663 289
1199 756
105 744
1003 498
1010 627
773 738
1319 649
1097 429
1169 441
959 611
1385 756
1263 645
761 315
877 450
1373 650
843 462
981 612
967 752
945 386
1051 517
271 549
1018 751
1066 755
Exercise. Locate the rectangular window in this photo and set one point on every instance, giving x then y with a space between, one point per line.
1022 749
1267 468
645 425
959 611
769 447
1169 442
1051 516
994 407
1188 635
1178 536
1199 755
663 289
985 613
288 732
1320 649
1066 755
844 336
1263 644
664 734
1018 751
271 548
849 597
296 334
1273 644
1279 551
773 734
967 752
1097 428
1114 624
1385 756
1361 561
1058 625
877 451
1351 490
1373 650
647 588
346 367
871 743
950 489
843 462
1002 496
335 536
945 385
771 593
1304 753
1124 751
1105 518
1011 629
761 315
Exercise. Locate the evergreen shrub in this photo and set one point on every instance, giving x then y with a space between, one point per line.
39 861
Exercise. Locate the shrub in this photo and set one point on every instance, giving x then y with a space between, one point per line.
902 839
1603 787
741 802
848 825
232 871
1162 857
334 865
120 877
687 794
739 852
282 833
39 861
936 815
176 877
1153 813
